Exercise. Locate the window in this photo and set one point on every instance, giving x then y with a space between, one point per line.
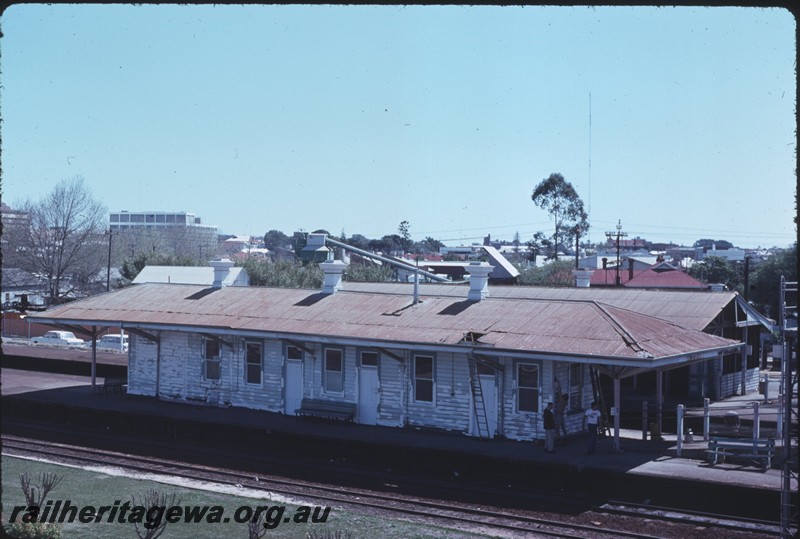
575 386
731 363
212 360
253 363
293 352
368 359
527 387
334 367
423 378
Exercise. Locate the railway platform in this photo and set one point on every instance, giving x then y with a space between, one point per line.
643 468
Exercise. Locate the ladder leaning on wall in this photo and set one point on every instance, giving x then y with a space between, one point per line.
478 403
597 391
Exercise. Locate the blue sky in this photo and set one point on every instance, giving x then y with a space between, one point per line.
678 122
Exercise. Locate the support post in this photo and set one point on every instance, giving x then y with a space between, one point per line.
94 358
644 420
659 398
680 430
706 419
618 410
756 422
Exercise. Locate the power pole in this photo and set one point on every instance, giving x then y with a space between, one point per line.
788 334
108 271
618 234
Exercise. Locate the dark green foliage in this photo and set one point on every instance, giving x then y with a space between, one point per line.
765 280
715 269
282 273
276 238
369 273
560 199
557 273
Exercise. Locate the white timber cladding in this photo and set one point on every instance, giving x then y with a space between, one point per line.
182 376
391 379
142 366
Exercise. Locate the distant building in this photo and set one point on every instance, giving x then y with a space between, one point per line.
221 270
181 232
731 255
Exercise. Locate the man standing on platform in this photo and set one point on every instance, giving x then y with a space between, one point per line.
549 429
562 402
591 422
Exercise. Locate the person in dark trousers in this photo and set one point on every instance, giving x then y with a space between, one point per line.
591 423
549 429
562 403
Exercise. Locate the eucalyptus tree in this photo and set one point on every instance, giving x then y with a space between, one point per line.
559 198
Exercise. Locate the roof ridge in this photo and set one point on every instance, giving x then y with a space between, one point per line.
619 327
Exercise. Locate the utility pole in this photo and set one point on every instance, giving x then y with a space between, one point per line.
108 271
618 234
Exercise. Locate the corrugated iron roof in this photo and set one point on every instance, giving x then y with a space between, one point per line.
690 308
517 324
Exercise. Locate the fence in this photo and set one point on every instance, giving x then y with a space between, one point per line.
15 325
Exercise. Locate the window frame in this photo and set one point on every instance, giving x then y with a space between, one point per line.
537 390
248 364
212 360
361 354
417 380
575 388
300 352
326 383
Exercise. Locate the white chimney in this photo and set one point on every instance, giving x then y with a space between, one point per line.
332 275
222 266
582 277
478 280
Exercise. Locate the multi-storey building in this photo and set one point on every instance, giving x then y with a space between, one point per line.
181 232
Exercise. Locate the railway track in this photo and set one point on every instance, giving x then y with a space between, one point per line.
476 518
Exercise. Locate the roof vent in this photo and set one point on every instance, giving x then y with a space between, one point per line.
222 266
582 277
332 280
478 280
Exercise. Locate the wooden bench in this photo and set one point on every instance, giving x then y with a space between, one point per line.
113 384
324 409
760 451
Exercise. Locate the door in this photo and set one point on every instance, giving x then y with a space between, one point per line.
368 388
489 391
294 386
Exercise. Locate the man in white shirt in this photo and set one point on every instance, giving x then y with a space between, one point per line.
591 422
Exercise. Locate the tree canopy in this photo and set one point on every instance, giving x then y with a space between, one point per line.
65 240
559 198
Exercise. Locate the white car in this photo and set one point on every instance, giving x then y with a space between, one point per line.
59 338
113 342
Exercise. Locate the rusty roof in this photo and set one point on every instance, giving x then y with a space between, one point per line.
695 309
574 326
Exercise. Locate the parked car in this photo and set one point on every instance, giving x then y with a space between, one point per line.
113 342
59 338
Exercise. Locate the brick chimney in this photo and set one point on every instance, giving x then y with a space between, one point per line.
222 267
478 280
